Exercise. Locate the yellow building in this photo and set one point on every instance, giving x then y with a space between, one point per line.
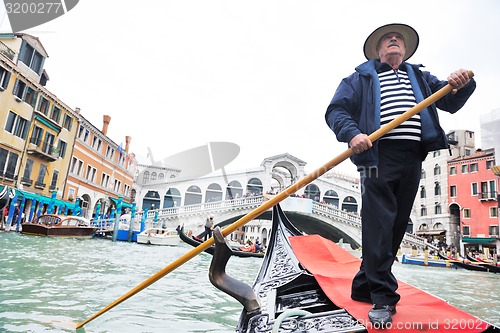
38 129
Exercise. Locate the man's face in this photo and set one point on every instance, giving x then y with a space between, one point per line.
391 44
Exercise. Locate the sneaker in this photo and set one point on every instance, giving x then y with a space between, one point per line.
381 315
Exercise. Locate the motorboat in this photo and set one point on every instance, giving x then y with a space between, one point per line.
59 226
158 236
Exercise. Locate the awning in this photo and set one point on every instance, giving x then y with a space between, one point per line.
43 199
124 204
479 240
430 232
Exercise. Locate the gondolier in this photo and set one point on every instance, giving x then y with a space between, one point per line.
378 91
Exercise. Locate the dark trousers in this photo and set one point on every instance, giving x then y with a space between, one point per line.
388 193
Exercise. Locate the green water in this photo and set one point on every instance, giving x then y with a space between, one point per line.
50 284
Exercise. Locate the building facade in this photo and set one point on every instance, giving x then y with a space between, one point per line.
101 171
431 215
38 128
473 197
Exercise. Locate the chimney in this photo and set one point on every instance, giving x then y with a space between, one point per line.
127 143
106 119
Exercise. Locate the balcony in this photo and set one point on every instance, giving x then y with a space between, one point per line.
43 150
40 185
26 181
488 196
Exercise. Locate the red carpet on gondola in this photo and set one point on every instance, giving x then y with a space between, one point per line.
417 311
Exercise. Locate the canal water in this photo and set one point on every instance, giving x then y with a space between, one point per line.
50 284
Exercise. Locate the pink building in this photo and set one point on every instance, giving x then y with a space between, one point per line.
473 201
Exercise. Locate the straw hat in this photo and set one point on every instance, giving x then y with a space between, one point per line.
409 35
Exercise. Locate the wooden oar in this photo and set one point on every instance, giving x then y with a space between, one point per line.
275 200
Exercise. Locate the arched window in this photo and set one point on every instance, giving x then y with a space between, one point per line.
332 198
161 176
233 190
437 189
214 193
422 176
254 186
145 177
153 175
437 170
172 198
312 192
350 205
423 193
193 195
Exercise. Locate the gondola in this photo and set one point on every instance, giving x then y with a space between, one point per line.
197 241
302 287
4 197
489 265
471 266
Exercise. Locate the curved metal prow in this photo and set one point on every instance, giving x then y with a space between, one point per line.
231 286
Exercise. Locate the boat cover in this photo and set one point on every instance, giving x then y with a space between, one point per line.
417 311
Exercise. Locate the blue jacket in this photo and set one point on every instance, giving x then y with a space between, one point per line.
355 108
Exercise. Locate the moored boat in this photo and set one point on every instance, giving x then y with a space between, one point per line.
195 241
59 226
159 236
421 261
304 286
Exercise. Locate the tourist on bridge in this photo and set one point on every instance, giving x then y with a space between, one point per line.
377 92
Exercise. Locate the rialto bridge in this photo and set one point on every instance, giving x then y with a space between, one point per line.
328 206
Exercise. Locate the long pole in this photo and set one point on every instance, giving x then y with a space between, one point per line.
275 200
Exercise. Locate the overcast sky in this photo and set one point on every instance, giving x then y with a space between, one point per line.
177 74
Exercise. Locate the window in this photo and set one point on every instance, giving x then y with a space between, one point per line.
31 96
145 177
4 78
36 136
26 179
466 230
61 148
489 164
8 163
453 191
49 143
453 170
436 153
465 168
117 185
68 122
437 189
154 175
55 115
423 211
32 58
422 175
17 125
423 194
81 131
494 212
97 143
126 190
473 167
474 190
493 230
437 209
437 170
91 172
466 213
43 105
19 89
110 152
53 183
41 176
468 152
76 166
105 180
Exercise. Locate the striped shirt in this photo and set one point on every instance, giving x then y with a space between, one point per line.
396 97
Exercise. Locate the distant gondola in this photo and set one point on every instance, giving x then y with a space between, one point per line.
489 265
471 266
195 242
